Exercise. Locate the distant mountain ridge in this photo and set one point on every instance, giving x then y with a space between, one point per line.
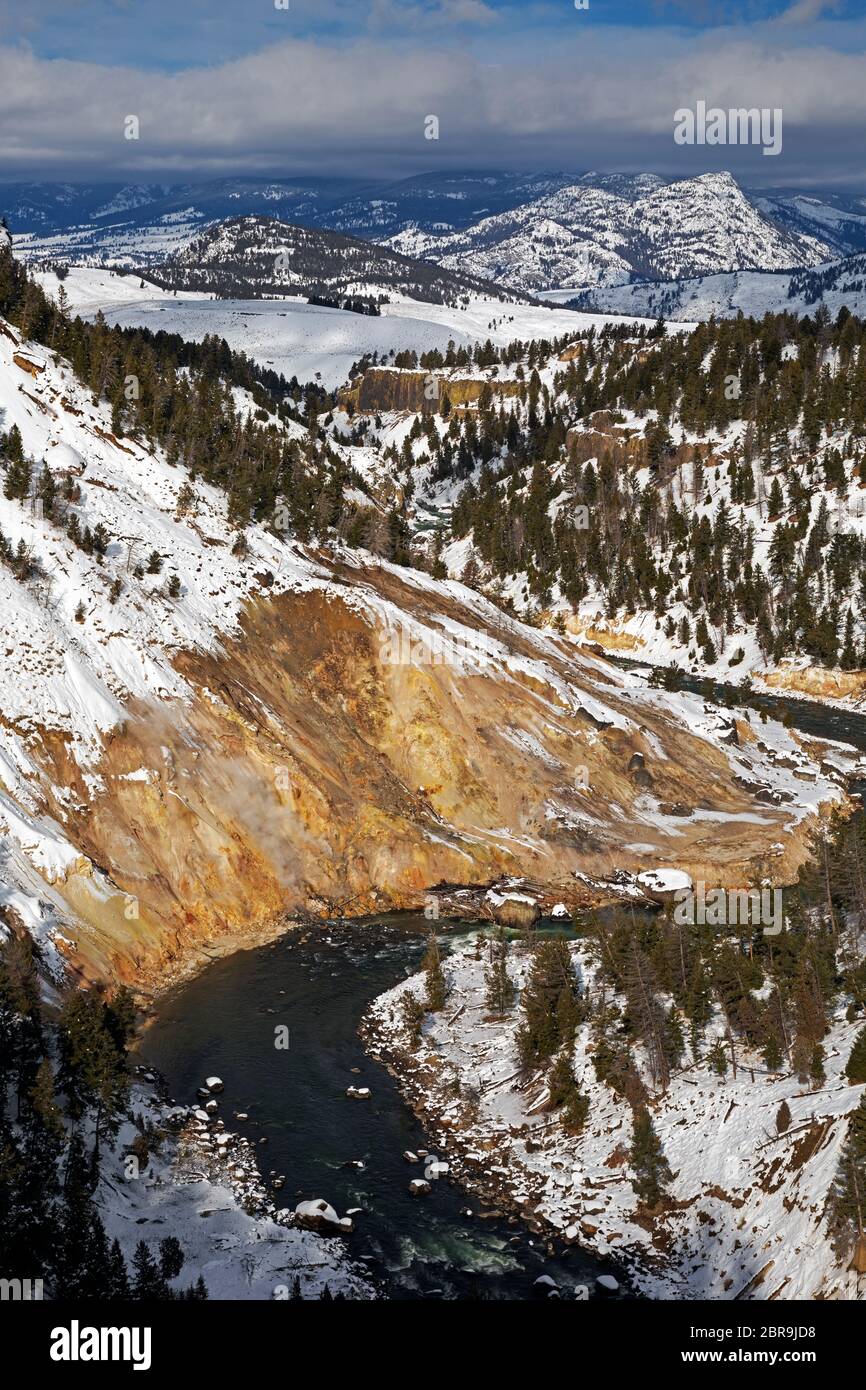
834 218
250 257
530 232
382 207
605 233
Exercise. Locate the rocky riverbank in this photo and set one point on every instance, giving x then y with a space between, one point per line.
745 1217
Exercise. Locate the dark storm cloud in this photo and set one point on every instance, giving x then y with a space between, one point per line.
509 90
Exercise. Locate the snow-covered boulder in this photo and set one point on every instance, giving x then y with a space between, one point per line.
664 883
62 458
320 1215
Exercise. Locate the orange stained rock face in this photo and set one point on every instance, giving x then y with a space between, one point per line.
320 767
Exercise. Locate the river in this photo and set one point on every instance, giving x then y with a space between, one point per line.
318 982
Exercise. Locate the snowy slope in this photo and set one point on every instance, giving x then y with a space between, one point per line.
304 340
749 1215
836 284
250 256
203 1185
587 235
73 661
837 219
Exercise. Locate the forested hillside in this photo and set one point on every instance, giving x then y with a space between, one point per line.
710 479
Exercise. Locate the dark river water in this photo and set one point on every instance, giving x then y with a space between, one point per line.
318 983
222 1023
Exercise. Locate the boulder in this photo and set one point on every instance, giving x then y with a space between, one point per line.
214 1083
662 884
544 1284
319 1215
513 909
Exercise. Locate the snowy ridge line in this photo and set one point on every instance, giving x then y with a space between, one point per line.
584 235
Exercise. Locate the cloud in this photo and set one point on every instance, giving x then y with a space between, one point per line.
432 14
808 11
596 98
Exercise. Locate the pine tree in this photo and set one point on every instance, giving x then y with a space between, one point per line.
118 1279
435 986
499 987
148 1281
171 1257
81 1264
414 1013
717 1058
773 1053
846 1206
855 1068
548 1017
565 1094
651 1167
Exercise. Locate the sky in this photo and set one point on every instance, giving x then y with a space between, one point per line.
347 87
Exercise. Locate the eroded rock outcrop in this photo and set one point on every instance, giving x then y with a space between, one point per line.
329 761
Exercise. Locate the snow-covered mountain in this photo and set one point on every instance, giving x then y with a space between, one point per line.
834 218
441 201
252 256
556 228
605 233
835 284
106 223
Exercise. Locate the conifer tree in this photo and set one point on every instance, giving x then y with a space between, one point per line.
846 1206
566 1095
499 994
548 1002
81 1266
118 1278
855 1068
651 1168
149 1284
435 985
